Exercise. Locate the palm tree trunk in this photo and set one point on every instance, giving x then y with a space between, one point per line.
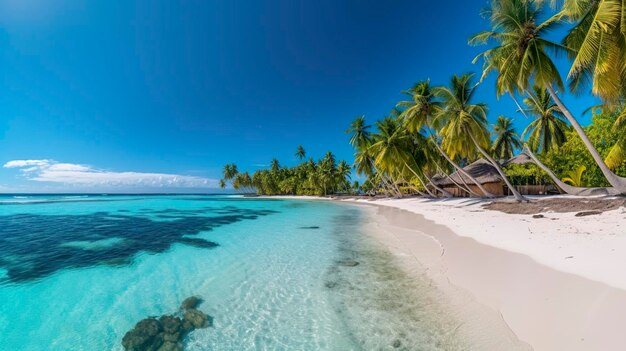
569 189
517 195
445 193
462 171
420 180
616 181
465 188
384 179
394 185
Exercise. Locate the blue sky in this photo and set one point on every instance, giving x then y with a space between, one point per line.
140 95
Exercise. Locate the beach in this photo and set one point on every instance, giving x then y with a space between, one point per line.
554 279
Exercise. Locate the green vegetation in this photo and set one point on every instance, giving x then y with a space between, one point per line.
307 178
439 129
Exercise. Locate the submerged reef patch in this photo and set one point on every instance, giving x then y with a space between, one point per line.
33 246
167 332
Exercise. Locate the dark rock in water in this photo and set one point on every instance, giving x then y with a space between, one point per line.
197 242
330 285
197 318
587 213
145 336
190 302
171 346
310 227
171 324
167 332
348 263
538 216
396 344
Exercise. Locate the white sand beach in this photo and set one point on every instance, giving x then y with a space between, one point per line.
557 281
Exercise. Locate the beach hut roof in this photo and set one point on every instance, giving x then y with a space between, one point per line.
518 160
481 170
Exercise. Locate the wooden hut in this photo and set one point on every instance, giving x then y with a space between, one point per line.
487 175
484 173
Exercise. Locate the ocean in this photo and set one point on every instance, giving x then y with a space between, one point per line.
77 272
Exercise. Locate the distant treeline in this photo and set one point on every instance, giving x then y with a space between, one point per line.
324 177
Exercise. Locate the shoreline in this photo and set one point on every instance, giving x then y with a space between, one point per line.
555 281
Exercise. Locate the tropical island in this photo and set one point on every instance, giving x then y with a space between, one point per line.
430 139
538 192
299 175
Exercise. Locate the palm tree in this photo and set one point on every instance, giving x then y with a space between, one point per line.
418 114
521 56
343 176
361 136
393 152
300 153
465 123
222 184
274 165
230 171
598 41
506 139
548 129
361 139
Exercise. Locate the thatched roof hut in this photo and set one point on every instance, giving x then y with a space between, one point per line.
487 175
481 170
520 159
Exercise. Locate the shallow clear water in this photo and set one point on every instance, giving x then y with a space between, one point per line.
76 273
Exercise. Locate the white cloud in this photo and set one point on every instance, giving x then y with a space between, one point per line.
82 175
24 163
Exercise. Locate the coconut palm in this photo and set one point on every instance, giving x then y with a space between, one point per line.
361 136
300 153
274 165
343 176
521 57
392 149
506 139
418 114
230 171
548 129
464 124
361 139
598 40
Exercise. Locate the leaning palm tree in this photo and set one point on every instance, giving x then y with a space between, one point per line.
230 171
361 139
392 149
548 130
418 114
465 123
520 57
506 139
300 153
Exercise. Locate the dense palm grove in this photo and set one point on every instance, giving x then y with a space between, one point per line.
439 129
324 177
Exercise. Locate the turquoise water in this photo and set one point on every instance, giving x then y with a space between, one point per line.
77 272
